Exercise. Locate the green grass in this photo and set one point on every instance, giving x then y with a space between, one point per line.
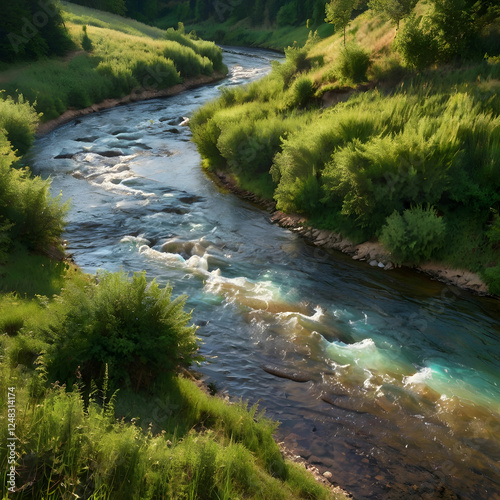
126 56
79 15
73 451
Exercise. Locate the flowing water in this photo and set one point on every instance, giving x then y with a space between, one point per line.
387 379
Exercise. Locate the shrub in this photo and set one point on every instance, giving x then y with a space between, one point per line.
129 324
19 120
414 236
187 61
28 214
352 64
287 15
301 92
416 44
492 278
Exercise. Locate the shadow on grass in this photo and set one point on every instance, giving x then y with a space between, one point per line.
28 274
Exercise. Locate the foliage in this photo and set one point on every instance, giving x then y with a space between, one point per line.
414 236
453 23
339 13
28 214
416 44
287 15
493 232
491 276
32 30
130 325
301 92
18 120
395 10
352 64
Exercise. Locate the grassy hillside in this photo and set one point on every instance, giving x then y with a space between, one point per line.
361 143
113 57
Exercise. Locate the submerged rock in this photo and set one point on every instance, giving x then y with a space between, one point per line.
288 373
64 156
110 153
92 138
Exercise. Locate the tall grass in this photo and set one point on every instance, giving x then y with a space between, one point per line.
66 448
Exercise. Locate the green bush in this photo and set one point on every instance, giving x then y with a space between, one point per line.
352 64
287 15
492 278
19 120
417 44
130 325
187 61
301 92
414 236
28 214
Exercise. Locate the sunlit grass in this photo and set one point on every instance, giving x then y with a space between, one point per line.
126 56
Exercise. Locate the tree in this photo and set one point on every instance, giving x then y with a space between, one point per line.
339 12
396 10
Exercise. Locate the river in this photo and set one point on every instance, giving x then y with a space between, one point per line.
396 383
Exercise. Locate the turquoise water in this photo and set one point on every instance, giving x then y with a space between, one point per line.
396 387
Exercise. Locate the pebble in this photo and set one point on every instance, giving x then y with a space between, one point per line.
327 474
373 263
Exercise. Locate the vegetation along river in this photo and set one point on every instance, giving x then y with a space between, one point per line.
389 380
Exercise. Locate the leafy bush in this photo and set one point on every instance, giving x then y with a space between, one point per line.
352 64
19 121
287 15
492 278
414 236
128 324
416 44
186 60
200 47
301 92
28 214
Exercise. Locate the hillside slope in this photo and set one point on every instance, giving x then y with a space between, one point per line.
360 143
112 57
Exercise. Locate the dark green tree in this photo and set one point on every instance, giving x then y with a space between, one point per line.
31 30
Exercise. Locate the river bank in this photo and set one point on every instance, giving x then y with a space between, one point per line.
135 96
371 252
